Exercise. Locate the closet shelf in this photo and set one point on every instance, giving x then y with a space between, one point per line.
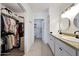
7 33
9 16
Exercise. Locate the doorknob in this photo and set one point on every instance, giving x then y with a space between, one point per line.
51 32
60 48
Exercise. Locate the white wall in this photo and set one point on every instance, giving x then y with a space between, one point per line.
43 15
29 28
70 14
55 17
54 20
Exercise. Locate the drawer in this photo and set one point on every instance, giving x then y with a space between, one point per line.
71 51
59 51
51 44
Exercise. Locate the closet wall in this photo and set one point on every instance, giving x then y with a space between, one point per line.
29 27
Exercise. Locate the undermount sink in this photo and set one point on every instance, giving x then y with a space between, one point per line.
70 38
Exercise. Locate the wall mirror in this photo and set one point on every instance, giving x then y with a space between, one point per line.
76 21
64 24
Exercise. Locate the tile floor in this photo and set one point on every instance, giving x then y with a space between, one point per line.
40 49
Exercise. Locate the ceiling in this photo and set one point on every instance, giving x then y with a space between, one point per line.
16 7
38 7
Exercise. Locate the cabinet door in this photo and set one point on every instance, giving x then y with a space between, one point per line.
63 49
78 53
64 52
51 44
60 51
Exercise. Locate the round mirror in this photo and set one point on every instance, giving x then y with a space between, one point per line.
76 20
64 24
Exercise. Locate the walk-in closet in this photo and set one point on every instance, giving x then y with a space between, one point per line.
12 29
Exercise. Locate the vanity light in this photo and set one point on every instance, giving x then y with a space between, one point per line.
71 12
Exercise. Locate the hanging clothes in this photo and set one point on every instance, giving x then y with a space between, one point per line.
4 46
9 42
6 23
13 40
16 35
3 36
6 35
10 31
12 25
2 24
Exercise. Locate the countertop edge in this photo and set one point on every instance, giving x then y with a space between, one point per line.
65 42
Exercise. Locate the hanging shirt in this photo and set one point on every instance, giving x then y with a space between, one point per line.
12 25
6 23
2 23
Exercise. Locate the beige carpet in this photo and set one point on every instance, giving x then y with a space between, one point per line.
14 52
40 49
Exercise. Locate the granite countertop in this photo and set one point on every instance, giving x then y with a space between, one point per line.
68 42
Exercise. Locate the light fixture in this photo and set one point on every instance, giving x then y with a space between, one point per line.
71 12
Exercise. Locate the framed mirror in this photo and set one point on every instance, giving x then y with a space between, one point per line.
64 24
76 21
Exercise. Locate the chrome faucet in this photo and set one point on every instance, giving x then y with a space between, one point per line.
77 34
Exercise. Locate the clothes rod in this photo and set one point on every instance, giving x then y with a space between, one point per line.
9 16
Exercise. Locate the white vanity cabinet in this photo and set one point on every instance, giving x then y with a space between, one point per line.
59 51
51 43
63 49
0 50
78 53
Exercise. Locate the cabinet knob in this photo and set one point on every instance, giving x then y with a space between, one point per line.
60 48
51 32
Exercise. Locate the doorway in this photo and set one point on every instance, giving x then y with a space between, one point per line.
38 28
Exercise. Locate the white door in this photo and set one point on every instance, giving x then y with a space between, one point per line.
38 28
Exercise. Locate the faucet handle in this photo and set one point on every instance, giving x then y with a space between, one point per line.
59 31
51 32
76 32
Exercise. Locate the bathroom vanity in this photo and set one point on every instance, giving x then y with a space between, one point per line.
63 47
68 44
